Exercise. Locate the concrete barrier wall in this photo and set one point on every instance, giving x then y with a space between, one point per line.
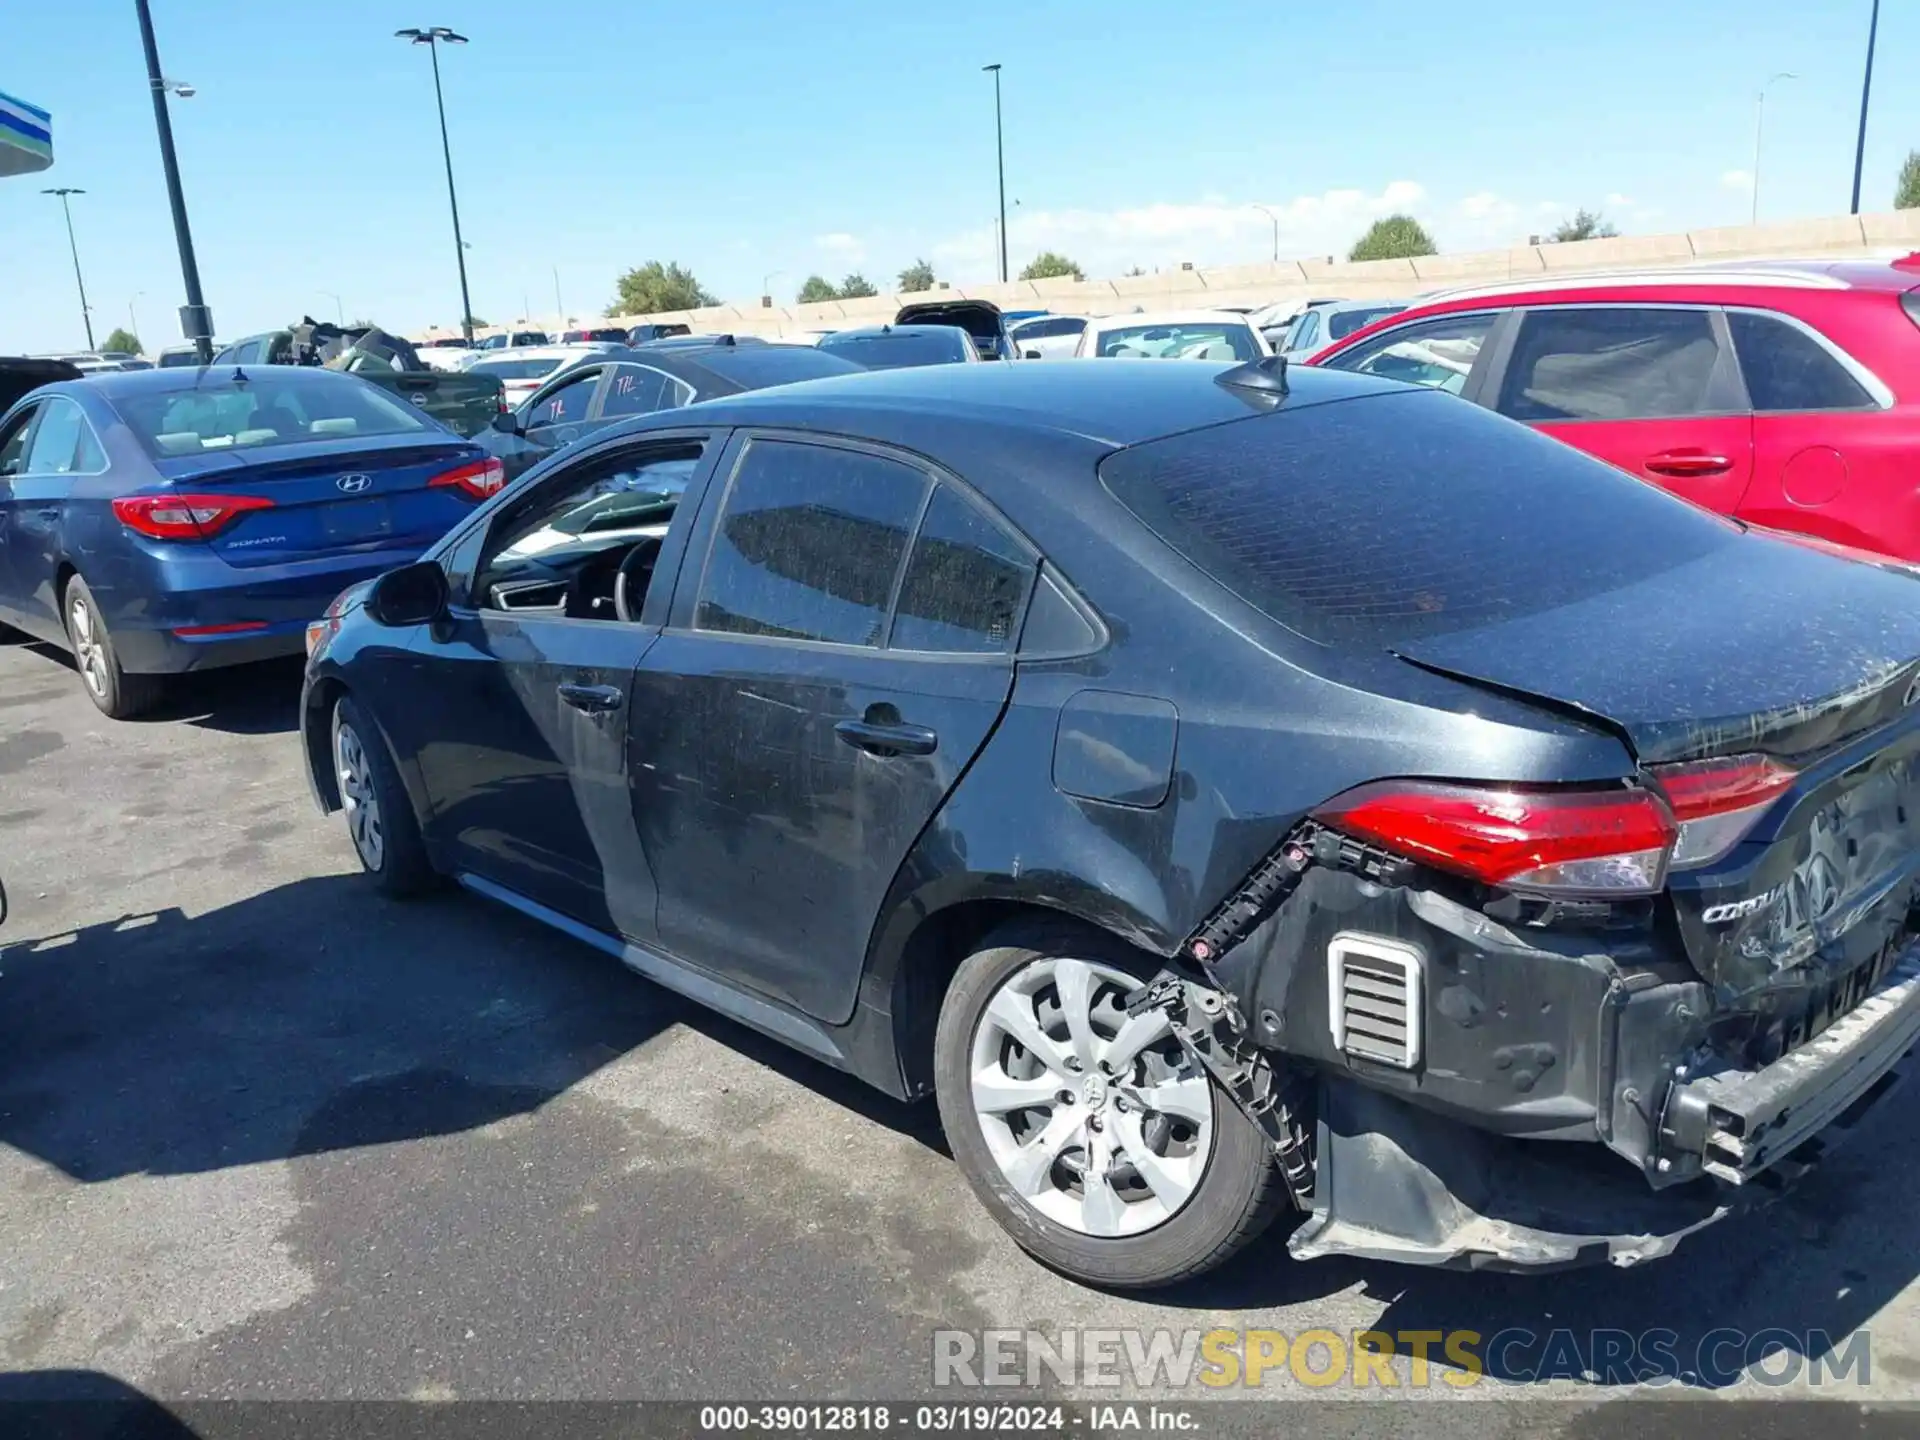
1291 280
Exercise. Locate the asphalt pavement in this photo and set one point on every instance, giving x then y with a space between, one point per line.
264 1135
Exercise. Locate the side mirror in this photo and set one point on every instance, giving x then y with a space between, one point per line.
506 422
412 595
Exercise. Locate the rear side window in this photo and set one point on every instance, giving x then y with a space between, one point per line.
1390 518
64 443
1306 331
1787 369
810 544
641 390
1612 364
966 583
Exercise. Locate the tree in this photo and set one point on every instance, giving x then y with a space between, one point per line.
1396 237
1906 195
361 325
654 287
916 277
1049 266
123 340
816 288
856 287
1585 225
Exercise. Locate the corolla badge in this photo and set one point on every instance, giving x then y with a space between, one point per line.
1739 909
353 484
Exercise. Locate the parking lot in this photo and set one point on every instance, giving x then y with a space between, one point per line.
263 1134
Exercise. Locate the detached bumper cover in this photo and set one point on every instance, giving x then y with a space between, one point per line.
1742 1122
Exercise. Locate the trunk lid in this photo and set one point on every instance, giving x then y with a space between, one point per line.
374 495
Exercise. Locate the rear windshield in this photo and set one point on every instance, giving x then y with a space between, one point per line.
518 369
1227 340
277 406
896 349
758 366
1342 323
1381 520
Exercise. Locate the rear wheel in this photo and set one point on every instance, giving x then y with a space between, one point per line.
118 695
379 816
1091 1136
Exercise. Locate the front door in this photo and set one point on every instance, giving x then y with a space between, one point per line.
1652 389
826 678
531 678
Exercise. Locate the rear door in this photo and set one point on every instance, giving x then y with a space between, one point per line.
1653 389
826 676
63 450
1831 455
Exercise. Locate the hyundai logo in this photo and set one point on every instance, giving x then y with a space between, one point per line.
354 484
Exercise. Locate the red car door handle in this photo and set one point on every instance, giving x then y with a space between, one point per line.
1687 462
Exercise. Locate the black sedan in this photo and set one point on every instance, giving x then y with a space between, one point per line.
621 384
1226 791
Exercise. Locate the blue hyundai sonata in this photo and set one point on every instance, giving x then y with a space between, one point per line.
161 521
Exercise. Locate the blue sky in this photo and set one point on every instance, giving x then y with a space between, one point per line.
751 136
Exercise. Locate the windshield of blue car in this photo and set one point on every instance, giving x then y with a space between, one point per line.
275 405
897 349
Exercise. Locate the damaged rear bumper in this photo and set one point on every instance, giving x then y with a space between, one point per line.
1397 1182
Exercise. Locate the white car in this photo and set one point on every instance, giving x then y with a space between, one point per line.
1172 335
446 354
523 369
1047 337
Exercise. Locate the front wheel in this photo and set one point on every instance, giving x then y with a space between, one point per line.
379 816
1091 1136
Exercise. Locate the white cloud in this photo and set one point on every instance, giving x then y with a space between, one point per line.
1617 201
1164 234
1737 180
841 246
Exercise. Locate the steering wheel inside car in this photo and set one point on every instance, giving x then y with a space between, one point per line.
630 580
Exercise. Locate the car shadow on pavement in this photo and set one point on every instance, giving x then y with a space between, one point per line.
1785 1285
257 699
83 1405
316 1016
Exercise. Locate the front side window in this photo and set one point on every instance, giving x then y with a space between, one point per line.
568 404
13 443
1439 354
560 552
1787 369
1612 364
64 444
809 544
966 584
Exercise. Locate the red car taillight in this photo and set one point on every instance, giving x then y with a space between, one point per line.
1716 802
184 517
1590 842
482 479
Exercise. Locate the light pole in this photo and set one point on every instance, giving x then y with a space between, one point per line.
1759 126
560 311
1866 91
1000 154
766 287
196 320
133 320
86 315
339 311
1276 230
433 38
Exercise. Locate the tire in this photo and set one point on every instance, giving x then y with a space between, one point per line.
380 818
1212 1186
115 693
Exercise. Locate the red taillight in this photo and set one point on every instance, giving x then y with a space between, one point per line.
481 479
1718 801
1592 842
184 517
233 627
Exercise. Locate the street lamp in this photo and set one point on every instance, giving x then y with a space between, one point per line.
1759 124
86 315
1000 153
339 312
766 287
1866 90
433 38
196 320
133 320
1276 230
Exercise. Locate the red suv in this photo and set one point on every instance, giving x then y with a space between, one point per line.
1784 393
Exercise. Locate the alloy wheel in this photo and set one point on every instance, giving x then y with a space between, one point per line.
357 796
89 650
1100 1121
